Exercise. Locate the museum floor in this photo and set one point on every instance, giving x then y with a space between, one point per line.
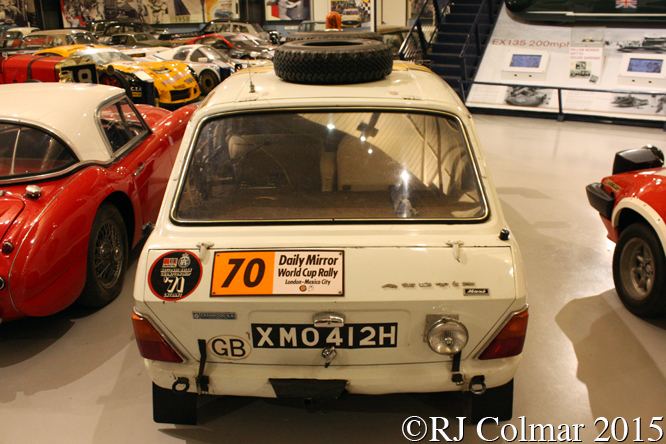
77 377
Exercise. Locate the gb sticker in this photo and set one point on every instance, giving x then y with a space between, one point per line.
230 347
175 275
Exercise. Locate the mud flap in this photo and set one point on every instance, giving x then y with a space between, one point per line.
174 408
308 388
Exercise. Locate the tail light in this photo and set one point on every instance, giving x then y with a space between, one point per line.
152 344
510 340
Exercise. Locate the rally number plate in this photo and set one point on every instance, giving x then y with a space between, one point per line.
383 335
271 273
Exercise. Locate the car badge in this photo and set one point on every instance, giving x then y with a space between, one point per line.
476 292
184 261
612 185
220 316
390 286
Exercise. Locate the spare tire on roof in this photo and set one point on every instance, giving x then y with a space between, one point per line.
332 61
338 35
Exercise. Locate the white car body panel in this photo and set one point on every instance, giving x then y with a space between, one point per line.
424 257
81 133
648 213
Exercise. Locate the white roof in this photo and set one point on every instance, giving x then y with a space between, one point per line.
412 84
67 109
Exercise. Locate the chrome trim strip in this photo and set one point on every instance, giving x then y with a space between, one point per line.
499 329
56 174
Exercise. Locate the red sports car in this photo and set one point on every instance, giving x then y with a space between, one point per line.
83 170
632 205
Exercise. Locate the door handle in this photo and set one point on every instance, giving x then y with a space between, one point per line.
138 170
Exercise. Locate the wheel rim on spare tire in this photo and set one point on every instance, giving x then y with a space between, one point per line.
637 269
332 61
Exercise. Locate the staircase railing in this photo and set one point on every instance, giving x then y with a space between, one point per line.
423 31
489 8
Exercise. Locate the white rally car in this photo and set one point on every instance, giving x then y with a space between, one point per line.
320 238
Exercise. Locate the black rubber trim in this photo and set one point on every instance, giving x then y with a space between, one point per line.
600 199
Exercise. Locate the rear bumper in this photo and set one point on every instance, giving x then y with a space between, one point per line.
253 380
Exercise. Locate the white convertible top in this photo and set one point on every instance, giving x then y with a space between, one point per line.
67 109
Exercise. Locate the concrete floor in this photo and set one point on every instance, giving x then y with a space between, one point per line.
77 377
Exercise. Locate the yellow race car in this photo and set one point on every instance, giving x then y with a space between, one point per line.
175 83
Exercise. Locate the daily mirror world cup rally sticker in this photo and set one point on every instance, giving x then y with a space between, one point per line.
175 275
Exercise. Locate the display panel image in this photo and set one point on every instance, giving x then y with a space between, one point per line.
526 96
525 61
645 65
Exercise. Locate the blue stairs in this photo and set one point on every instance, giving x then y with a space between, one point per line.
467 27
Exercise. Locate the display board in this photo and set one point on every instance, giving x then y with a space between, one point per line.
623 59
78 13
287 10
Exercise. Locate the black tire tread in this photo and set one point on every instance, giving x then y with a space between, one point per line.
329 65
215 78
654 305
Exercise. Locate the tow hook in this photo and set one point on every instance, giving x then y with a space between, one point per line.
181 385
329 354
477 385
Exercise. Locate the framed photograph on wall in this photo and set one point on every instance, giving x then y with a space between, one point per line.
221 9
284 10
356 14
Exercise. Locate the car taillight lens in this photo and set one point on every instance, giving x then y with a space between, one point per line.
510 340
151 343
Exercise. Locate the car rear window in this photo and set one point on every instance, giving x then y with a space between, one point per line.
26 151
330 166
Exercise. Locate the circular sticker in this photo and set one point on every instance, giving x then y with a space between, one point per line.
175 275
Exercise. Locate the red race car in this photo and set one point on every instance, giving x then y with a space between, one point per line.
632 205
83 171
19 68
